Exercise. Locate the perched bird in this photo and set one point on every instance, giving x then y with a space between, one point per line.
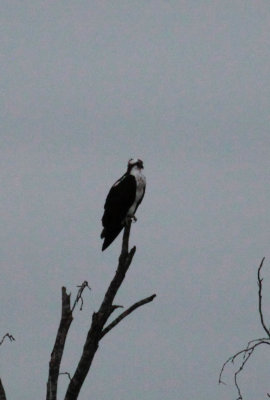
122 201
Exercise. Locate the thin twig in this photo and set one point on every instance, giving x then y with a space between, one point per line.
233 358
79 295
66 373
7 335
247 352
260 298
247 355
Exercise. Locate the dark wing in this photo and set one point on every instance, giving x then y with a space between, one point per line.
119 200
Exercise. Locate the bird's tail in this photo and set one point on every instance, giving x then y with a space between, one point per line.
109 236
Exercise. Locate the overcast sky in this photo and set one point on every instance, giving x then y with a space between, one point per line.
183 85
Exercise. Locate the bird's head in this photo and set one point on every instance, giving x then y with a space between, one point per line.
134 162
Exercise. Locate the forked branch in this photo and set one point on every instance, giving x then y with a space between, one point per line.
126 313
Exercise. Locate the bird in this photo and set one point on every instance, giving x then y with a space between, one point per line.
122 201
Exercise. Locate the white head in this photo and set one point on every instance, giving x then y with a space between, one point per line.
134 162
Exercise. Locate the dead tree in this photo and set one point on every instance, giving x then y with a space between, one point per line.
98 328
247 352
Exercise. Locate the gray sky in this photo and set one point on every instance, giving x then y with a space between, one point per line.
183 85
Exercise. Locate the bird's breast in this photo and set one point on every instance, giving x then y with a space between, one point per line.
140 187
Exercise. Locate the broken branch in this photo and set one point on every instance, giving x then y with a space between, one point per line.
58 349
